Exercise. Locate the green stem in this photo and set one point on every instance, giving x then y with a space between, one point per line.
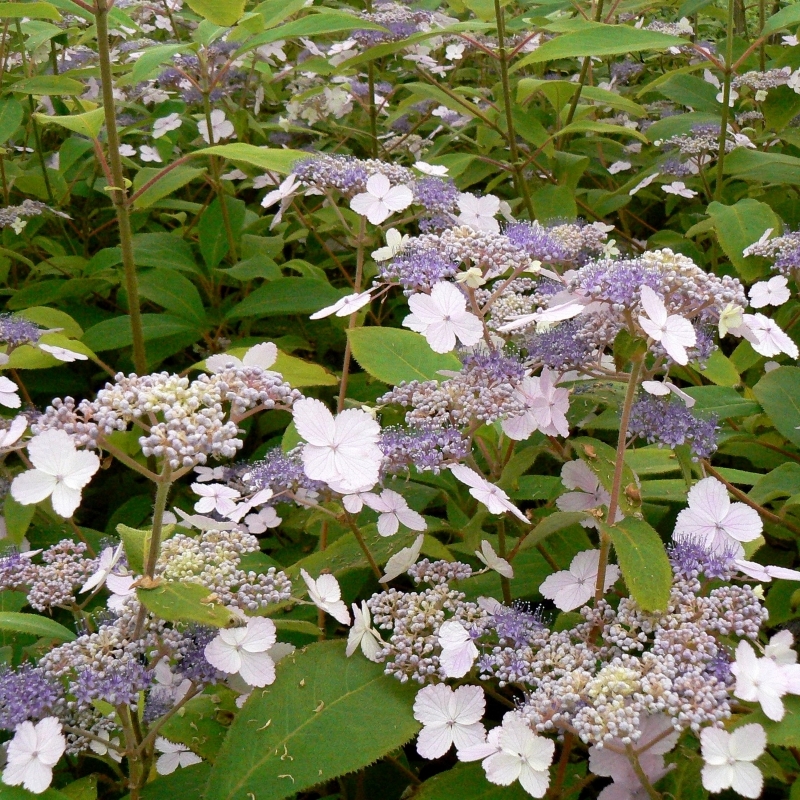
505 585
362 543
511 134
373 111
162 493
641 774
616 485
726 96
362 235
762 18
119 193
598 14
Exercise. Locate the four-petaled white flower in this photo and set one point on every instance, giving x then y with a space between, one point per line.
493 497
173 755
221 127
261 355
514 752
363 635
678 188
442 318
773 292
214 497
571 588
32 754
766 573
326 594
619 166
765 336
673 331
718 523
458 650
729 759
759 680
60 472
345 306
147 153
342 449
284 195
402 560
479 212
243 651
394 510
781 648
107 561
493 561
449 718
395 244
381 199
8 393
547 407
107 747
62 354
645 182
163 125
431 169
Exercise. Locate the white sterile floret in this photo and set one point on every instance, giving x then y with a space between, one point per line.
326 595
572 588
590 493
32 754
214 497
442 318
720 524
774 292
394 510
342 449
449 717
381 199
261 355
402 560
766 336
163 125
221 127
62 354
107 561
173 755
458 650
60 472
729 759
432 169
493 561
513 752
493 497
673 331
363 635
781 648
663 388
395 244
345 306
547 407
678 188
8 393
479 212
759 680
107 747
243 651
11 435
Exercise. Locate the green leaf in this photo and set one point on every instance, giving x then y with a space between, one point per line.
325 20
152 58
53 318
319 695
272 160
87 124
737 227
163 250
785 733
643 561
18 793
221 12
113 334
790 15
178 601
602 459
29 10
722 401
213 239
44 627
527 87
135 543
299 373
49 85
551 524
188 782
761 167
197 726
783 481
11 114
172 291
779 394
719 369
18 518
286 296
689 90
393 355
82 789
164 183
467 782
651 461
606 40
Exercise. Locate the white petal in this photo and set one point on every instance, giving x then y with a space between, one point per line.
257 669
314 422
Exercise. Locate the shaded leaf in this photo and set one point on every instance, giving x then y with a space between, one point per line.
177 601
286 296
220 12
36 625
779 394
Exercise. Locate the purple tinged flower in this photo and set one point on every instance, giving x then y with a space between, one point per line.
670 423
26 694
119 684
